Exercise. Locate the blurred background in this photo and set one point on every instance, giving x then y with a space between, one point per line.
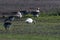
13 5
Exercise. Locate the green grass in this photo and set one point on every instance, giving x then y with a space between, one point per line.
28 37
46 28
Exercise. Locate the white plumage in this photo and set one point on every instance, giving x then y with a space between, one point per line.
29 20
19 14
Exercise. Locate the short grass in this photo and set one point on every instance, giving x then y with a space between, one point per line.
28 37
45 28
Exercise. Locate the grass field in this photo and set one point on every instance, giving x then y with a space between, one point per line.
45 28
